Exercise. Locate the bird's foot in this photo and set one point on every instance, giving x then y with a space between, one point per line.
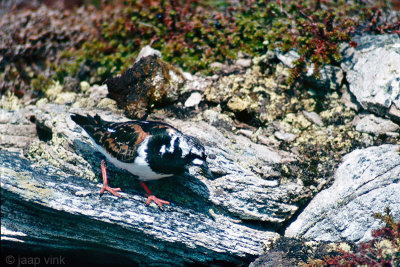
113 191
156 200
151 197
106 187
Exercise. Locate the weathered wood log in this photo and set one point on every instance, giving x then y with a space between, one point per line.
52 199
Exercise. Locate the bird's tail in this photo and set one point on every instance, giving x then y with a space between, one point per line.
88 123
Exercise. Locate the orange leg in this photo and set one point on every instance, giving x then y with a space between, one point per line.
106 187
151 197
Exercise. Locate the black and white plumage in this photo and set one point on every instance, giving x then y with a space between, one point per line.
148 149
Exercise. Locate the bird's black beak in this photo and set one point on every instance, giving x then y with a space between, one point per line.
205 170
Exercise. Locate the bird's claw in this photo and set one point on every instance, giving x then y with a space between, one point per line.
156 200
111 190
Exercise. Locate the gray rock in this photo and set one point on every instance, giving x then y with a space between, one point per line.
237 189
217 119
97 93
240 66
247 133
394 112
16 131
288 58
375 125
147 51
243 62
274 258
313 117
195 83
373 72
193 100
217 66
366 182
330 77
281 135
349 100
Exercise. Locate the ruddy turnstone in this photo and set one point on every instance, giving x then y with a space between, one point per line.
148 149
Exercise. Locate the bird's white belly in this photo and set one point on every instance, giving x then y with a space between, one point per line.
140 167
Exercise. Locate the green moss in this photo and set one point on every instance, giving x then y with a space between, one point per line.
201 36
105 41
41 83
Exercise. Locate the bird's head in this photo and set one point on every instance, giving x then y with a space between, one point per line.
197 155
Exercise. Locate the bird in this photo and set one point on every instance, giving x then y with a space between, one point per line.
150 150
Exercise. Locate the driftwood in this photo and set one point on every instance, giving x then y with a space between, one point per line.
52 198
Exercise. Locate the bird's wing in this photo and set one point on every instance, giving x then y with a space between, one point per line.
121 140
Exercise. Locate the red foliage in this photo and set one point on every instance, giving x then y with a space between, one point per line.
371 253
353 44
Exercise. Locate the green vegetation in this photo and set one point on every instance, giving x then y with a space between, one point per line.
104 40
193 35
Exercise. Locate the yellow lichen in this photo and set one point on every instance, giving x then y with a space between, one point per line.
85 87
82 102
237 104
108 103
31 189
65 98
10 102
54 90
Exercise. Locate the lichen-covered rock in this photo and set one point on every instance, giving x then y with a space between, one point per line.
65 98
239 66
94 96
298 252
9 102
44 204
373 71
313 117
193 100
146 52
375 125
215 118
54 90
366 182
329 77
237 104
252 96
237 188
246 186
195 83
16 131
150 82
